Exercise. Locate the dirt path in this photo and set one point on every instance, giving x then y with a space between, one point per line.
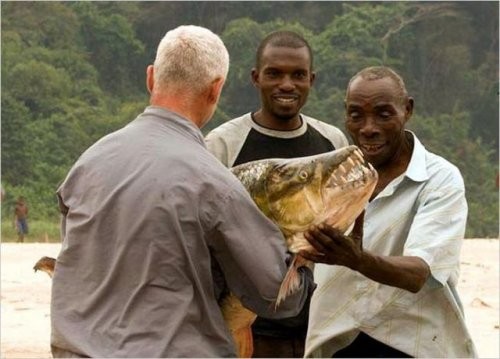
25 298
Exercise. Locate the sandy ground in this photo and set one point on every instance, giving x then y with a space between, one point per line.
25 298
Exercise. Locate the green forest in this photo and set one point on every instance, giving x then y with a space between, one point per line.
75 71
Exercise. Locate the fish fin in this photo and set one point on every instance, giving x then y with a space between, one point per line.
239 320
45 264
291 282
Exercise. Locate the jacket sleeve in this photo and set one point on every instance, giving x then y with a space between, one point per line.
251 252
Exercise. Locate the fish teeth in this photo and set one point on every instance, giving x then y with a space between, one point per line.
359 154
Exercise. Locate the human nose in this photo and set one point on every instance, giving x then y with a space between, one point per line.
369 127
287 83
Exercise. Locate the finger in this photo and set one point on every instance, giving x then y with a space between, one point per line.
357 231
313 256
312 237
333 234
321 241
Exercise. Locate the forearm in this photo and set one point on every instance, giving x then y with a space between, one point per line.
405 272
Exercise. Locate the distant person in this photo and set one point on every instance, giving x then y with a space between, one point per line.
147 210
21 218
283 75
392 293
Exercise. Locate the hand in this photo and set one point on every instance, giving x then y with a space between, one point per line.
333 247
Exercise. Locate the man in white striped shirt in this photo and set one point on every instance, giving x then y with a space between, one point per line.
392 294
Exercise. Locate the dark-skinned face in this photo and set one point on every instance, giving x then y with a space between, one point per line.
284 80
376 115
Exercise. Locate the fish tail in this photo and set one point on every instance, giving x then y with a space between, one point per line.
244 342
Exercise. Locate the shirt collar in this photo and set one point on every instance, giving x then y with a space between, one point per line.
174 119
417 168
277 133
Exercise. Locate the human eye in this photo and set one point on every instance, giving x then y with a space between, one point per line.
272 73
300 75
385 113
354 115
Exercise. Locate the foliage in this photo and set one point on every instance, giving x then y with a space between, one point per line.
447 136
39 231
74 71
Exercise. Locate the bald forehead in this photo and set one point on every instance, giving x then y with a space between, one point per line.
375 89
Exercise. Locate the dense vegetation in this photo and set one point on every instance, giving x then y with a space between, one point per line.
74 71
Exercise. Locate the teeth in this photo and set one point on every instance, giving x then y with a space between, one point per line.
342 168
372 147
359 154
285 99
351 161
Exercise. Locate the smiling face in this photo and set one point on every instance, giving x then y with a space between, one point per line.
284 80
376 114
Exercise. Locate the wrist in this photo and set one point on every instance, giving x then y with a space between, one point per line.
361 262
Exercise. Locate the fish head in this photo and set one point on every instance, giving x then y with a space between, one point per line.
331 187
295 193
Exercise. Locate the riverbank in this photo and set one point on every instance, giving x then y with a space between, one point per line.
25 297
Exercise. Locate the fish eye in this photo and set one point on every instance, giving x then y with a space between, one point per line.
303 175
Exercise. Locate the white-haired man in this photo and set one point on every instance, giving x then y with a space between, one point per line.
146 211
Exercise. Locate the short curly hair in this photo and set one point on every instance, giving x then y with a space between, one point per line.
283 38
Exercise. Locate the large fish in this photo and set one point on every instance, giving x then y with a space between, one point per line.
332 187
296 193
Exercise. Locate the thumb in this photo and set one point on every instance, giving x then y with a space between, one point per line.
357 231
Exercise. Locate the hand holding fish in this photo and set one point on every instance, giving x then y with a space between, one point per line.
332 246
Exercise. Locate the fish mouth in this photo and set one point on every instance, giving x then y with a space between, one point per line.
352 171
348 182
349 187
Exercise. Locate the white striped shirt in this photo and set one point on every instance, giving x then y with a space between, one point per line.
421 213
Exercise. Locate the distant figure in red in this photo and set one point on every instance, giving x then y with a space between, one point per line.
21 219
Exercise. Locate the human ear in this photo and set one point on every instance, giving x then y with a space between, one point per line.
409 108
255 77
150 78
215 90
313 77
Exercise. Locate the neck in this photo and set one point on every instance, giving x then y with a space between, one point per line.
396 166
274 123
181 105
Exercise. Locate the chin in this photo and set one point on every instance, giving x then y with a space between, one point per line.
285 117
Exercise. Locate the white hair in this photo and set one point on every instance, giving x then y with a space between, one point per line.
190 57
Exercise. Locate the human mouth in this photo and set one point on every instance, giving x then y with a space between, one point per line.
370 149
285 100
